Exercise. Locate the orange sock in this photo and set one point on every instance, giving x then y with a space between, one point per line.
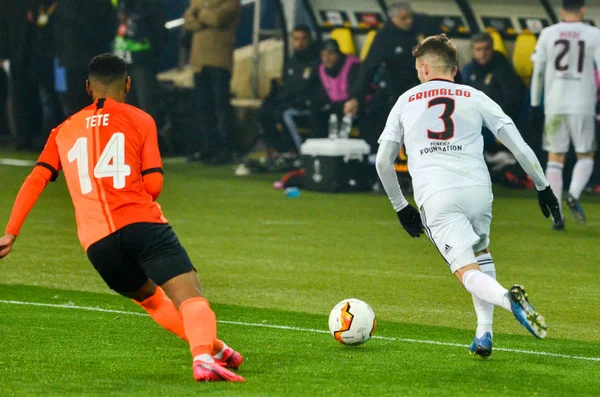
163 311
217 346
200 325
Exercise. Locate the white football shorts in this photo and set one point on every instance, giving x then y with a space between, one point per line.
561 130
457 221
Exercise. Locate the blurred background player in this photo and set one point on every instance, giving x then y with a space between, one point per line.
119 222
440 124
564 69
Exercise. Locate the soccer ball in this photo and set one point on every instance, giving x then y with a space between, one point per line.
352 322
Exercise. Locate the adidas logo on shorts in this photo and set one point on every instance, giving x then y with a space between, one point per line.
447 248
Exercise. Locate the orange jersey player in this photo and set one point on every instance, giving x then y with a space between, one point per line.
109 155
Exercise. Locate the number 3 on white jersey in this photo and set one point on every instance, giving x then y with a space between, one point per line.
111 162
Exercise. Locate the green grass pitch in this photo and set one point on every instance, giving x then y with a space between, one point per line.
273 268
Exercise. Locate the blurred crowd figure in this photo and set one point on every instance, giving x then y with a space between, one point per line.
392 51
83 29
213 24
319 80
337 72
291 98
491 72
49 44
140 39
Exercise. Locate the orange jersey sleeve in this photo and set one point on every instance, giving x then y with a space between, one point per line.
50 157
151 160
46 170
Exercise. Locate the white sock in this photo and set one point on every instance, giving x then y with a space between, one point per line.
581 176
554 174
219 355
207 358
484 310
486 288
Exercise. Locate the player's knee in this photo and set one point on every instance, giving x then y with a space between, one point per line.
581 156
146 291
183 287
464 262
556 157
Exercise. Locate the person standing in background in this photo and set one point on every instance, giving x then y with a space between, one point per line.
83 29
141 38
44 53
4 131
391 47
213 24
17 34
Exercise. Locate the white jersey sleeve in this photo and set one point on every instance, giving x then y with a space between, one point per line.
492 114
504 129
393 130
386 155
539 58
390 142
597 53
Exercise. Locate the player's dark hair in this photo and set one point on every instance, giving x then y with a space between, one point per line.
573 5
439 46
482 37
303 29
107 69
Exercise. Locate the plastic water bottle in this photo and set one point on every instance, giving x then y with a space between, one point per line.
292 192
333 126
346 127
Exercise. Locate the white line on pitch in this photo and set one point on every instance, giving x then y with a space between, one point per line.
290 328
17 162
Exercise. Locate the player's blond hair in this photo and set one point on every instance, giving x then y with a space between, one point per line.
439 50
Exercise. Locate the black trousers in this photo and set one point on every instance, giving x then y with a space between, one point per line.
76 93
272 127
319 118
3 103
26 107
216 119
52 112
143 86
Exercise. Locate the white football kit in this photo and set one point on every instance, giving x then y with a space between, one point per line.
440 123
564 60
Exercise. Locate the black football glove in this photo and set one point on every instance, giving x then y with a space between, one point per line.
549 204
411 220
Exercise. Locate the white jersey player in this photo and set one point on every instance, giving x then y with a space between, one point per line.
564 68
440 122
